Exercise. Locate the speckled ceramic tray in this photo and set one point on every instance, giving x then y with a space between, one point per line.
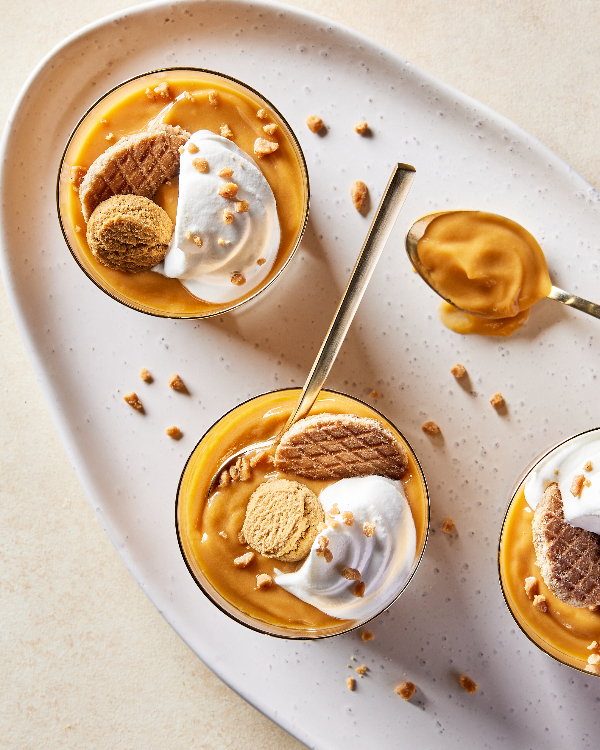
87 350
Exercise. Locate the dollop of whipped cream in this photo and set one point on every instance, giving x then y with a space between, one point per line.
384 560
578 457
216 261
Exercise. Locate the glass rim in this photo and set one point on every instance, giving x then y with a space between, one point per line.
313 635
303 168
505 596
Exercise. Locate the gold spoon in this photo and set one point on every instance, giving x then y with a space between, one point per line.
417 230
387 212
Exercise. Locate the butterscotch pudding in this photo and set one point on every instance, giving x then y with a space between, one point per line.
320 555
177 198
549 554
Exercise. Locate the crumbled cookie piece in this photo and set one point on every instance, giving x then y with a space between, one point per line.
332 521
351 574
577 485
176 383
348 518
351 682
200 164
362 669
213 98
197 240
271 128
467 684
358 192
259 457
145 375
368 529
323 542
458 370
225 172
244 560
334 510
263 147
241 207
315 123
226 131
588 466
174 432
192 148
593 646
241 470
539 602
367 636
264 581
430 427
326 553
228 190
76 175
405 690
262 114
162 91
238 279
359 590
227 216
361 127
133 401
497 400
448 526
532 587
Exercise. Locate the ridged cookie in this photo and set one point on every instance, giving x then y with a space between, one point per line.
136 165
335 446
568 557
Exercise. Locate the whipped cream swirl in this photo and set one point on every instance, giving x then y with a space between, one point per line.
384 560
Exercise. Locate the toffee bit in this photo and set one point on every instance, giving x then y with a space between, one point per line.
228 190
430 427
262 114
361 127
405 690
223 534
213 98
467 684
162 91
263 147
359 590
241 207
351 574
315 123
351 682
367 636
362 669
224 479
238 279
200 164
458 370
76 175
348 518
368 529
244 560
270 128
539 602
173 432
227 216
145 375
225 172
448 526
497 400
577 485
176 383
226 131
358 193
264 581
133 401
334 510
192 148
241 537
588 466
197 240
532 587
261 262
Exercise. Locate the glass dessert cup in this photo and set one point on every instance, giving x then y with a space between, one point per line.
126 109
564 632
275 611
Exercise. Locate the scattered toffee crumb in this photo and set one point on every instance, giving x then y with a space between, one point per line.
213 98
588 466
76 175
200 164
262 114
223 534
374 394
406 690
244 560
467 684
224 479
241 207
263 147
192 148
238 279
348 518
145 375
271 128
448 526
367 636
351 682
497 400
577 485
176 383
458 370
358 193
174 432
532 587
351 574
594 659
225 172
133 401
430 427
227 216
539 602
228 190
593 645
334 510
226 131
359 590
315 123
264 581
368 529
361 127
362 669
261 262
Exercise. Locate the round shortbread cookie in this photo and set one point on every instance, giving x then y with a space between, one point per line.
281 520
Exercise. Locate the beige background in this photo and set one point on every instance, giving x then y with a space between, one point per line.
79 669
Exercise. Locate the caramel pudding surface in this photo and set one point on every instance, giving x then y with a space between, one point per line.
210 555
488 266
128 110
563 631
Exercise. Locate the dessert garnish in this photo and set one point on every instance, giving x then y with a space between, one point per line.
430 427
129 233
361 127
315 123
326 446
358 193
135 165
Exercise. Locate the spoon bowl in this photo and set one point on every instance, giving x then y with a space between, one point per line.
416 232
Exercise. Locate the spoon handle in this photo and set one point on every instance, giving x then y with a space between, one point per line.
387 212
591 308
